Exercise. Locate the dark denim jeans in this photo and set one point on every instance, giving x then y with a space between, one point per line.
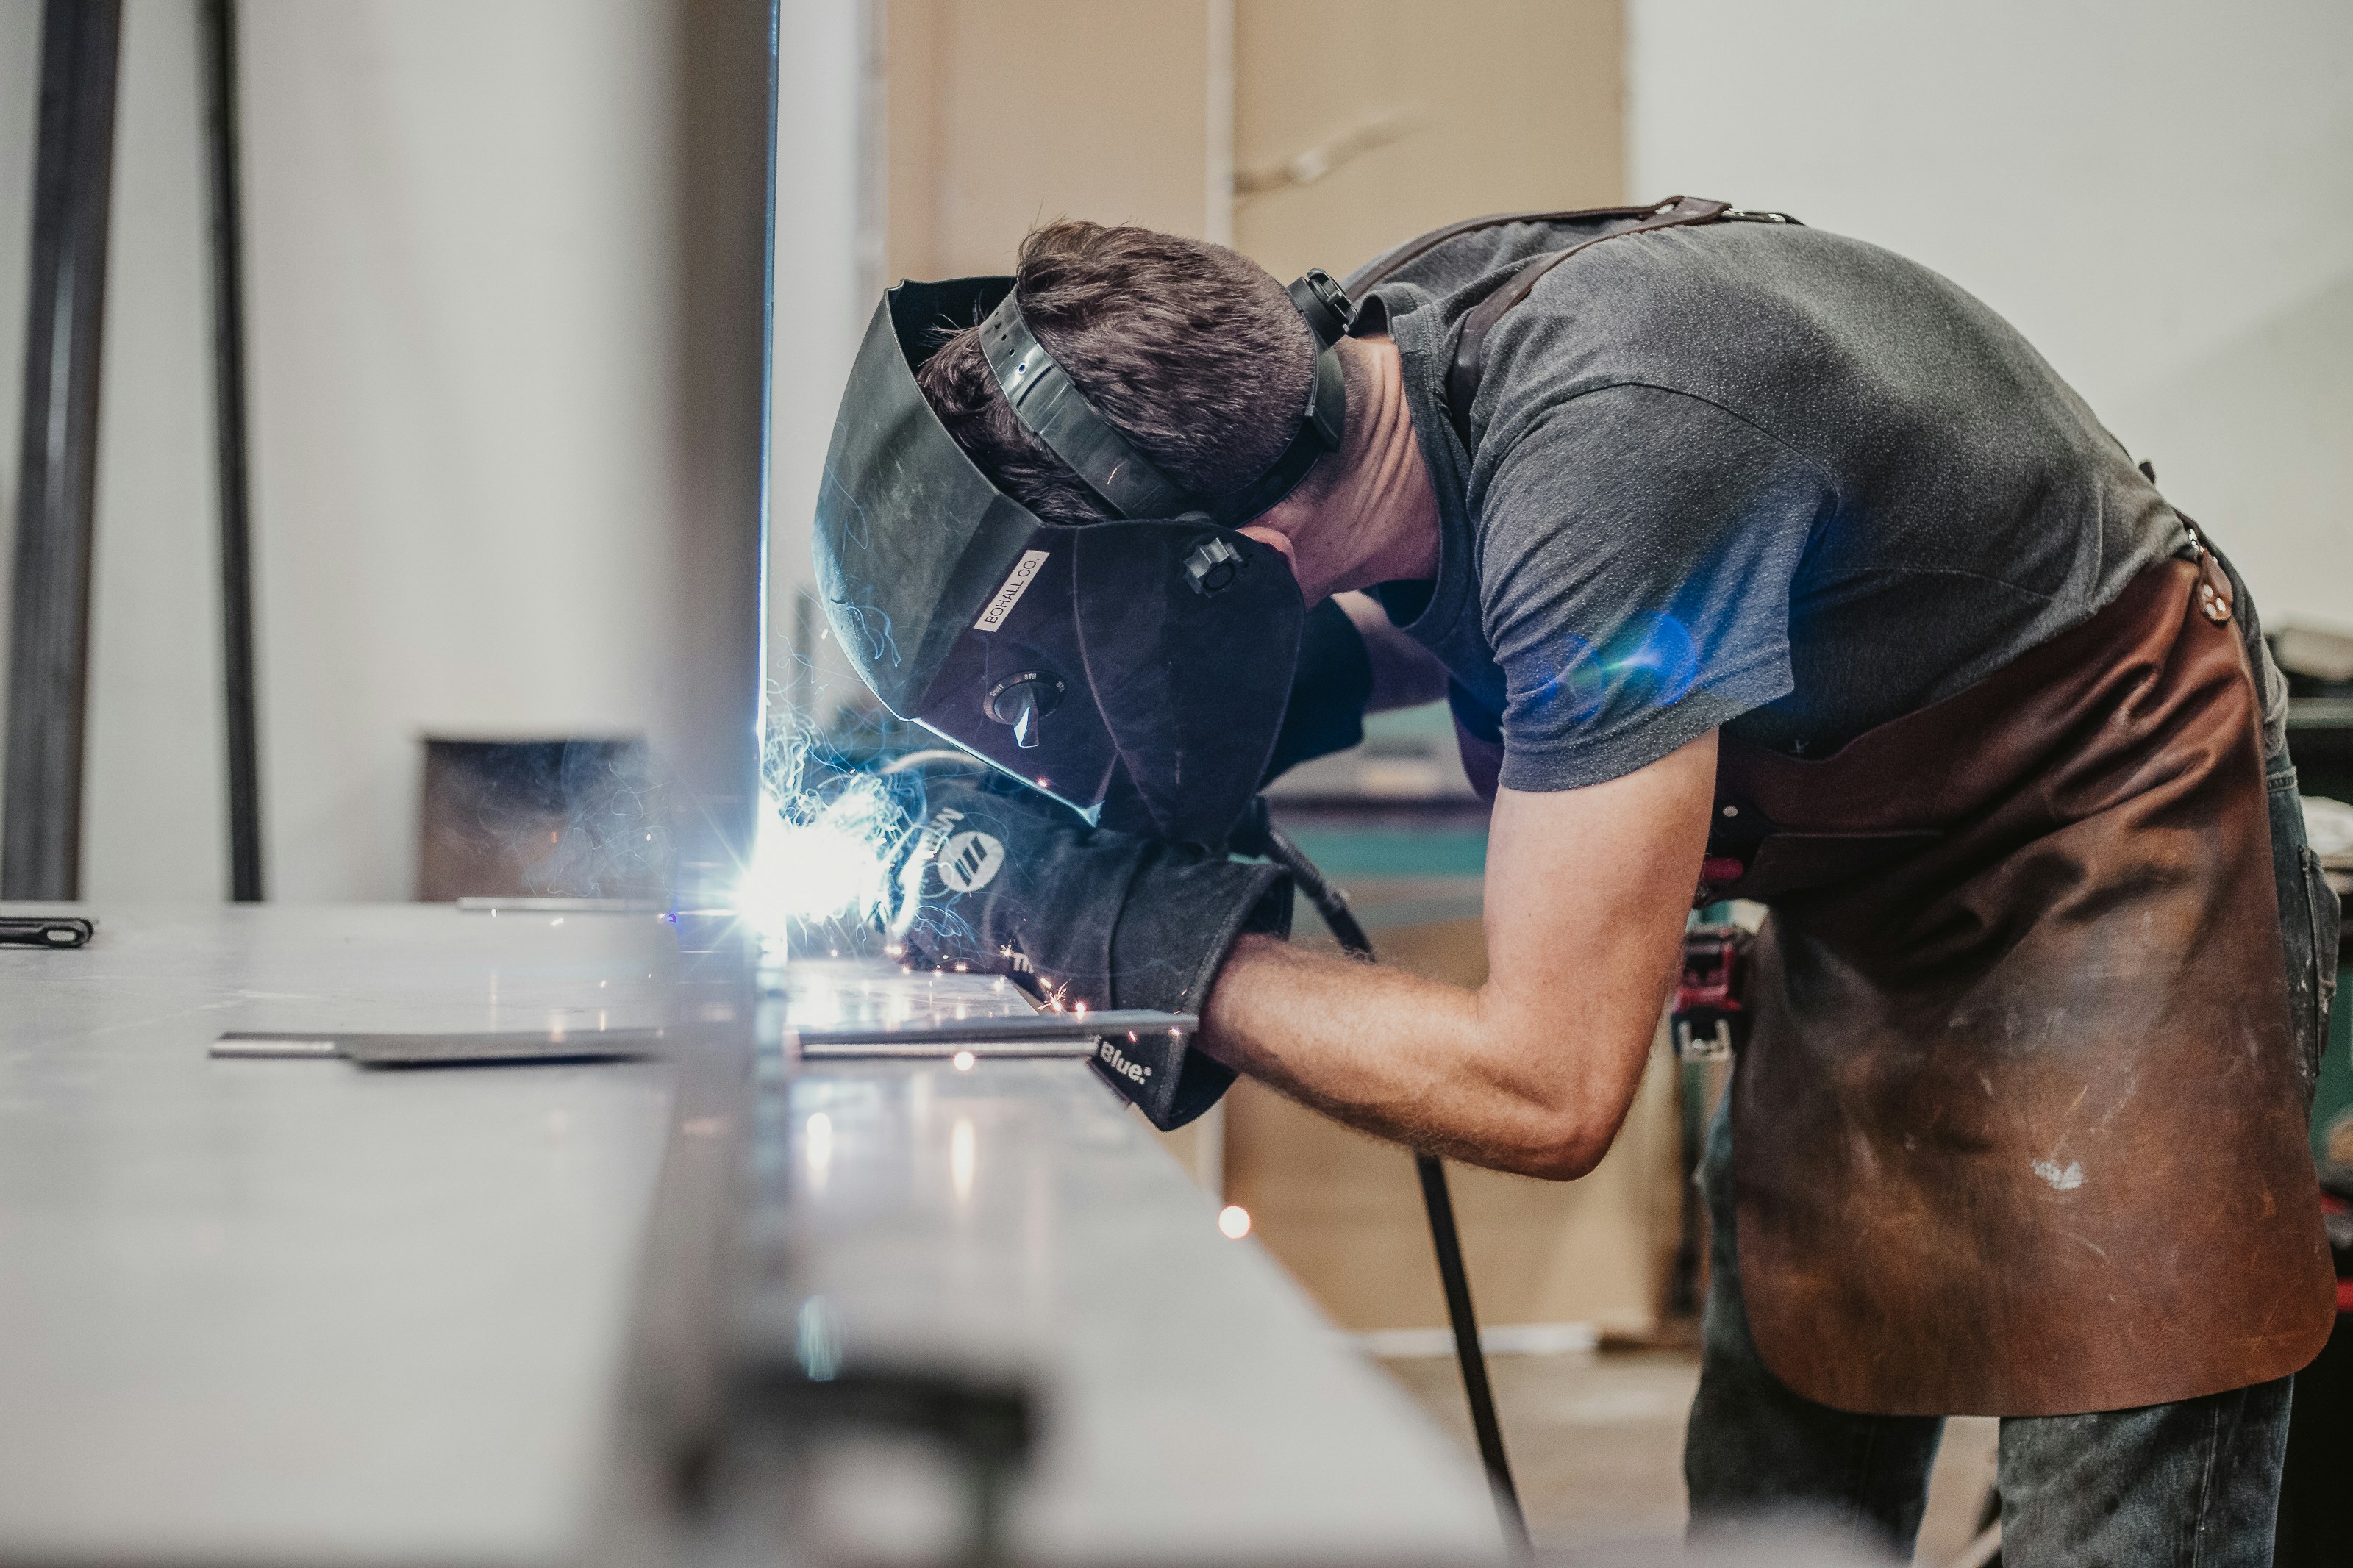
2195 1482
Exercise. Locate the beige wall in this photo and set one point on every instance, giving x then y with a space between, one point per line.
1426 112
1005 112
1450 109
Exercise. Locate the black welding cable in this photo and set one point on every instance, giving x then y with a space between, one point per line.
1334 907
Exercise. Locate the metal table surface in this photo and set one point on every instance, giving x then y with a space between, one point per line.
277 1311
1015 1215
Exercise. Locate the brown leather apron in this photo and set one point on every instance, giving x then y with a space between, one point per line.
2019 1128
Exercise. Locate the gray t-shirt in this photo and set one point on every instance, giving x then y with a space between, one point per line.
1746 475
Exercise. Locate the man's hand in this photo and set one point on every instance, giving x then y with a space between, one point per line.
1007 883
1586 894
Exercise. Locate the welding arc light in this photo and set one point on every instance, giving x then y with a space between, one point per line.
1021 700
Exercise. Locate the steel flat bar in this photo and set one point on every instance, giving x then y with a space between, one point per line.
493 1048
913 1034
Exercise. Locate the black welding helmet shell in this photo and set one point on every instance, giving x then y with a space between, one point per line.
1160 647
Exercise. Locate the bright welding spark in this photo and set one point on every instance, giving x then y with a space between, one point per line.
833 864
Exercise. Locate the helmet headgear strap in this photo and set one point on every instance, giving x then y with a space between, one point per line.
1051 406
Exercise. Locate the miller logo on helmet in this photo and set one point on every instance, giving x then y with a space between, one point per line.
970 861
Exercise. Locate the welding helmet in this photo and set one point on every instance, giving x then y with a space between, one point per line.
1151 653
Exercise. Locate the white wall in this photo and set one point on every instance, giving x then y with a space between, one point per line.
461 243
2159 194
155 786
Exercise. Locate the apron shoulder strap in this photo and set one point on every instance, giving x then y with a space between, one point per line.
1381 268
1465 368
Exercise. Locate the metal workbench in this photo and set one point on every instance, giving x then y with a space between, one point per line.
279 1312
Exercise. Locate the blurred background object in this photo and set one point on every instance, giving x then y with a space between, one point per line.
542 818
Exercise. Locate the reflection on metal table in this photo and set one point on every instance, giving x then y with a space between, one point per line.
295 1311
1014 1216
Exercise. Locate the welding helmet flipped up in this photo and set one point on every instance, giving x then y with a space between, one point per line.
1158 644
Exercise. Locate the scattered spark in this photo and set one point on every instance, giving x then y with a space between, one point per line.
1234 1221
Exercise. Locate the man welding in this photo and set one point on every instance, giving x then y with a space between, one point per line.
1757 562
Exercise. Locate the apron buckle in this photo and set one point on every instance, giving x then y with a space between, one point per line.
1710 1010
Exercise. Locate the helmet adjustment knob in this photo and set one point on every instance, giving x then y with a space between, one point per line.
1213 566
1023 700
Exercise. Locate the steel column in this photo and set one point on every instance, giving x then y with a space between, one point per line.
217 20
40 840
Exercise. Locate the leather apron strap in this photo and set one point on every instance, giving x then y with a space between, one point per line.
1466 363
1387 265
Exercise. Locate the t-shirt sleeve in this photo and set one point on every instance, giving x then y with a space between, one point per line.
1636 548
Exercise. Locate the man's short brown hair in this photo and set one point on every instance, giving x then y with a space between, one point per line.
1195 353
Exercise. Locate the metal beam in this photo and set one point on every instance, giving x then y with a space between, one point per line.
40 837
217 19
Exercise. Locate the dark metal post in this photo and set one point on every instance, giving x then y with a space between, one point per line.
217 19
48 669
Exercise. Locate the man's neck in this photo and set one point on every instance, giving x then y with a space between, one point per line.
1376 522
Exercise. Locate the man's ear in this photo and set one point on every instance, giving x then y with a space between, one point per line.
1272 538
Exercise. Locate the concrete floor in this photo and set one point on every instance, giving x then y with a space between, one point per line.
1596 1444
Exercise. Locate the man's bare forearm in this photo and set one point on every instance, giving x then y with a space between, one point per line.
1586 893
1421 1062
